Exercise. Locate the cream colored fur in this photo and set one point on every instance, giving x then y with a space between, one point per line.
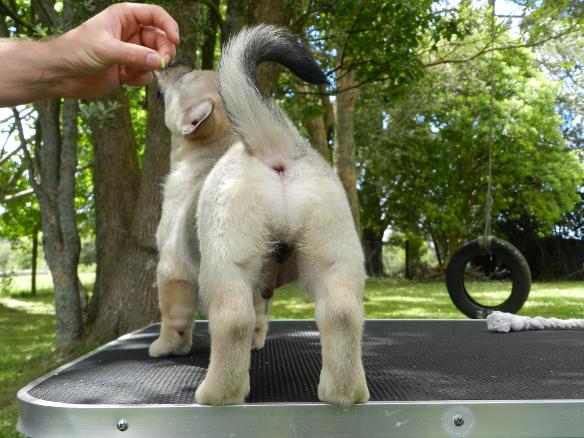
244 202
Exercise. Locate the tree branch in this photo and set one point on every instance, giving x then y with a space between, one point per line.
216 14
298 24
27 158
10 13
9 185
8 155
486 49
47 14
16 196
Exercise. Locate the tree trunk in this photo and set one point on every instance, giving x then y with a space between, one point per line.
130 299
186 13
408 262
210 41
115 181
277 12
344 152
57 160
35 248
52 177
236 18
315 121
3 29
438 253
373 248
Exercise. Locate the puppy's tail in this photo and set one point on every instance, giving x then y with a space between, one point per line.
257 119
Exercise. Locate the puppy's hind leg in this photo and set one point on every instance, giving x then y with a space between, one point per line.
231 322
339 316
331 267
177 305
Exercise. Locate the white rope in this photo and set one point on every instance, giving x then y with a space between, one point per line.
502 322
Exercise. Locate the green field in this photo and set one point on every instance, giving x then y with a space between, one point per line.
27 323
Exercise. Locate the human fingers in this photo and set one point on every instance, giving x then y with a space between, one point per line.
135 55
155 39
149 15
138 79
127 73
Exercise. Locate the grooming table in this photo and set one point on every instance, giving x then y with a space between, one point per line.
427 378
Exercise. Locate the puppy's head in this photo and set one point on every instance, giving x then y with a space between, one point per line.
193 108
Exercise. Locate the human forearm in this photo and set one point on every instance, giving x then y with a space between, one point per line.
123 44
29 71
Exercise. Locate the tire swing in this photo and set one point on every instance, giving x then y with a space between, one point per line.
508 255
488 246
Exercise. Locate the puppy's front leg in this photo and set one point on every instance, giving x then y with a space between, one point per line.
231 322
177 306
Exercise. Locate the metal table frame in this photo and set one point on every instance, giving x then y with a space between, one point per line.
439 418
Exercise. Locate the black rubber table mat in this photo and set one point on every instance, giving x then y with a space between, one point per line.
404 361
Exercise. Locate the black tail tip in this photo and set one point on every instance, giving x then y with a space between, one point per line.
303 63
277 44
318 77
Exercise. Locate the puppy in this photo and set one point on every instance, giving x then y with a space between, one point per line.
250 190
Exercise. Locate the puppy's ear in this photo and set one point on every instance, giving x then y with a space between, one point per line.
195 117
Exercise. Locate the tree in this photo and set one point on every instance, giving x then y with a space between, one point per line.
49 161
438 138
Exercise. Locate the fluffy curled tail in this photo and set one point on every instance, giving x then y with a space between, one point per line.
257 119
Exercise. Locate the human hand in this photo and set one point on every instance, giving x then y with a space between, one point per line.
123 44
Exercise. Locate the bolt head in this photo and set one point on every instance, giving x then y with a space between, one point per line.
123 425
458 420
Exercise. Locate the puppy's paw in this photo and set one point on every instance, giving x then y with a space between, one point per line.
164 346
345 391
212 394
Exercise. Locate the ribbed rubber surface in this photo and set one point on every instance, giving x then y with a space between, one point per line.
404 360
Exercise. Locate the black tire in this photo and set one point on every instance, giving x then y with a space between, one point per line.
509 256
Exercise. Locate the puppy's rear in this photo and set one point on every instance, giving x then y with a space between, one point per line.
273 187
262 125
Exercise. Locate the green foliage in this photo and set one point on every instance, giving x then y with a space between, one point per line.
4 255
377 39
139 116
99 111
423 158
421 133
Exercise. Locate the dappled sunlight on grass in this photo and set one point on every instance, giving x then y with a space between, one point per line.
489 293
290 303
389 298
26 342
29 306
21 283
8 416
560 300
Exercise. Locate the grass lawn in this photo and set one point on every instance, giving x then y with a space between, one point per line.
27 338
388 298
27 324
